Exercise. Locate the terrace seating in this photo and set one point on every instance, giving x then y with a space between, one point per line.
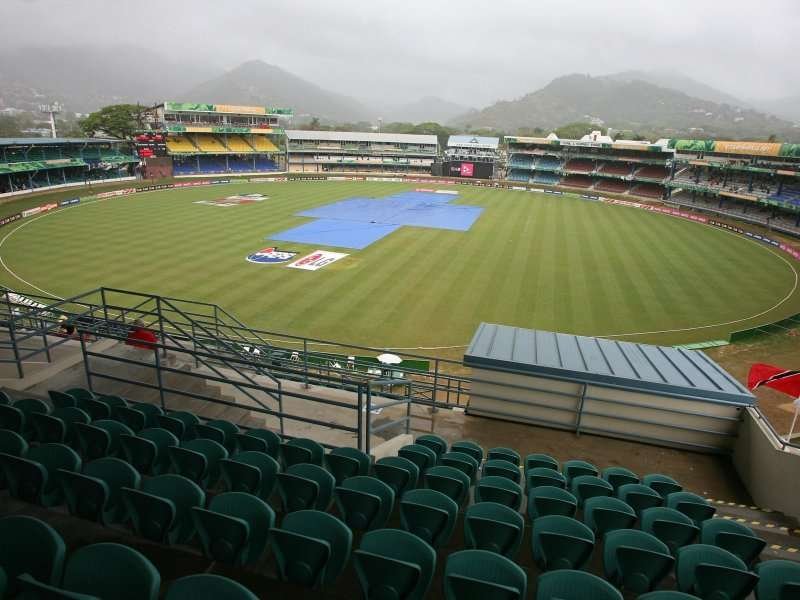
615 168
651 172
262 143
485 575
712 572
548 163
177 144
648 190
29 546
206 142
579 165
196 587
237 143
577 181
612 186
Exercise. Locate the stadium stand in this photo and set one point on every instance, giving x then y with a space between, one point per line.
611 185
179 144
325 151
546 178
548 163
579 166
648 190
580 181
28 164
651 172
236 143
614 168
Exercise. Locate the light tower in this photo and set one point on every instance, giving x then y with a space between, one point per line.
52 110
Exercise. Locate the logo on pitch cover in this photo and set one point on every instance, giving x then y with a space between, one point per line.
270 256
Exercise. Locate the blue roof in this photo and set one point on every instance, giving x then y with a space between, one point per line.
637 367
473 141
42 141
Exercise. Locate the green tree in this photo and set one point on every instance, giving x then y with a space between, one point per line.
10 127
117 120
575 131
314 125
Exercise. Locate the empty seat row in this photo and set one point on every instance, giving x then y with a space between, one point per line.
35 565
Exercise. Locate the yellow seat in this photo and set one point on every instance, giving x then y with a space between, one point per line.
209 143
179 143
263 144
237 143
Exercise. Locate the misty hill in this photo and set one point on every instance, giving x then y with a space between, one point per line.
627 104
679 82
259 83
786 108
84 78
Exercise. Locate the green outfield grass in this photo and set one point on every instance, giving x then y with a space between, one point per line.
531 260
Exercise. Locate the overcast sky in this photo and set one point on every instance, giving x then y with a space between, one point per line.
470 51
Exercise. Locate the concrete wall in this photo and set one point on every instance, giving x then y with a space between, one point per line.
770 472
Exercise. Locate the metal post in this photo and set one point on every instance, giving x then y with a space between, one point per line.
581 400
160 379
86 368
12 334
105 306
194 345
360 418
408 409
44 340
305 363
161 326
369 419
435 385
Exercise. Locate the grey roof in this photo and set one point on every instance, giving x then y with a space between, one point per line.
638 367
42 141
473 141
360 136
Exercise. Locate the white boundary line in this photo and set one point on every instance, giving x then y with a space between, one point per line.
610 335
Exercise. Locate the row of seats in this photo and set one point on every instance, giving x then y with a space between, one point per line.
492 524
35 565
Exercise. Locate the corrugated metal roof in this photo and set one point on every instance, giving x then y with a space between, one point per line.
638 367
473 141
40 141
360 136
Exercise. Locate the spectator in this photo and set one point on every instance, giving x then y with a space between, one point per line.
140 336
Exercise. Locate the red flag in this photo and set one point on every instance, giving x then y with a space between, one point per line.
784 380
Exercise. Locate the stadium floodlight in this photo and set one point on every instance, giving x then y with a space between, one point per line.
52 110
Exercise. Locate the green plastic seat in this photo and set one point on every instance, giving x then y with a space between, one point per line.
198 460
347 462
493 527
639 496
151 412
538 476
13 444
96 408
397 472
561 543
672 527
59 426
733 537
80 394
29 546
301 450
667 595
549 500
234 528
5 398
501 468
28 407
305 486
483 575
208 587
711 572
111 571
502 490
250 472
420 455
619 476
160 509
428 514
311 547
260 440
662 484
693 506
502 453
35 477
364 502
584 487
96 492
575 468
61 399
463 462
540 461
470 448
574 585
219 430
391 563
450 481
148 451
778 580
13 419
100 438
180 423
635 561
135 419
603 514
435 442
112 400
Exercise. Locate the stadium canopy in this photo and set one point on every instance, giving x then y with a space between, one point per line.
658 394
473 141
40 141
360 136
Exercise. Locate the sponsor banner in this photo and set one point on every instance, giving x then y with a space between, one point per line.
10 219
266 179
316 260
241 110
123 192
758 148
793 252
31 212
272 255
467 169
69 202
517 188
